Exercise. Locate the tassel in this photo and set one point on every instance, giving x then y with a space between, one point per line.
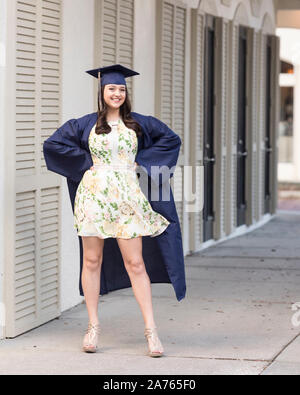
99 91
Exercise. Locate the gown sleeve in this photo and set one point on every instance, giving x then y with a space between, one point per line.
163 151
63 153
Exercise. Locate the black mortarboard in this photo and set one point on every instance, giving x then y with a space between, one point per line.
114 74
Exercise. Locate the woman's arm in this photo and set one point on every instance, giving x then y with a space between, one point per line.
63 153
163 151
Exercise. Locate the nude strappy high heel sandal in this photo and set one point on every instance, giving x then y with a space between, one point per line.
90 340
155 348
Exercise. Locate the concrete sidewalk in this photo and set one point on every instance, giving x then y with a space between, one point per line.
235 319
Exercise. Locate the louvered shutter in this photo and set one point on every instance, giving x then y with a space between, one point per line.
251 139
32 282
231 212
171 80
262 123
256 122
221 123
114 34
252 158
275 111
196 131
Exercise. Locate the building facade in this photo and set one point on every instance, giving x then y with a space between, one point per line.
288 29
209 69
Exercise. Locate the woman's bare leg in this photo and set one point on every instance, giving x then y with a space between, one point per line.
131 250
90 276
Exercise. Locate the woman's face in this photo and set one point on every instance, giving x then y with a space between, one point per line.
114 95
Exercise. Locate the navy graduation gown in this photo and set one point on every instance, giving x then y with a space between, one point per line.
67 153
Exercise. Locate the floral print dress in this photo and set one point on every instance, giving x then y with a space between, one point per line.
109 201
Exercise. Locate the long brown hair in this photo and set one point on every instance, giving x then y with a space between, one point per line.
102 127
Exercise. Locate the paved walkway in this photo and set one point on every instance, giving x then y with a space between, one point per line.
235 319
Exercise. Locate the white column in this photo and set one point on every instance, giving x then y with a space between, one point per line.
296 131
77 100
144 38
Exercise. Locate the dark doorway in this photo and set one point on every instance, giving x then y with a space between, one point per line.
208 144
241 143
268 147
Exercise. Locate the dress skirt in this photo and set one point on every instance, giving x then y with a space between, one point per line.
109 201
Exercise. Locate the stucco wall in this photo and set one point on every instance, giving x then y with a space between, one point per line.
77 100
251 13
78 97
144 85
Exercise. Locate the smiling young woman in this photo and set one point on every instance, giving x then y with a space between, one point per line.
115 184
98 154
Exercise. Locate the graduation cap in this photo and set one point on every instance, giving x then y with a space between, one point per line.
114 74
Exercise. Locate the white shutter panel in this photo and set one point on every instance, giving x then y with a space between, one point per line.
254 128
256 120
26 87
171 94
114 34
251 139
32 285
48 252
178 94
252 198
25 271
231 208
165 58
262 123
221 123
49 116
49 63
275 111
196 138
